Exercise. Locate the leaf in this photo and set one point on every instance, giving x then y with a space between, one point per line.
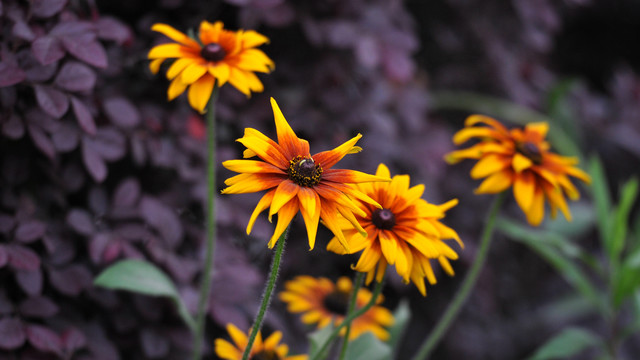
621 217
80 220
13 128
401 318
127 193
162 218
75 76
10 74
30 281
602 201
70 280
113 29
12 334
52 101
73 340
66 137
142 277
41 140
30 231
122 112
47 49
368 347
44 339
569 342
317 339
93 162
22 258
39 307
46 8
91 52
83 115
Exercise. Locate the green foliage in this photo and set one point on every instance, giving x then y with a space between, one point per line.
368 347
317 339
401 317
142 277
569 342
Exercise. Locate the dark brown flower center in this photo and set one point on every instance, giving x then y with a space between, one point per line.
530 150
304 171
337 303
213 52
383 219
265 355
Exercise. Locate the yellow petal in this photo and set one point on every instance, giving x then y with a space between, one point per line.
238 79
476 119
176 68
176 87
200 92
225 350
285 191
524 188
251 166
465 134
285 215
252 38
170 51
175 35
488 165
263 204
535 214
238 337
329 158
495 183
540 128
154 65
192 73
310 210
254 60
521 163
220 71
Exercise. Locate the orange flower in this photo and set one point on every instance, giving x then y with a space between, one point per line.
324 302
519 158
267 349
217 54
297 181
406 232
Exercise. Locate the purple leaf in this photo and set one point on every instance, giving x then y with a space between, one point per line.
98 200
122 112
75 76
22 258
52 101
94 164
6 305
44 339
109 143
90 52
7 223
13 128
12 334
163 219
42 141
154 345
47 49
30 231
127 193
84 29
38 307
4 256
35 71
30 281
70 280
47 8
23 31
73 340
113 29
66 138
81 221
10 74
83 115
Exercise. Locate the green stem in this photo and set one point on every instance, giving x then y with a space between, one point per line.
268 292
357 282
347 320
205 285
467 285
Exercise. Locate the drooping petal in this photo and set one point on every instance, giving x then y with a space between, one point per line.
193 73
220 71
154 65
524 187
489 164
285 191
200 92
310 210
176 88
180 64
496 183
263 204
481 119
285 215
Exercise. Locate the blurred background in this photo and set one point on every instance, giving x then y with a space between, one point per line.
97 166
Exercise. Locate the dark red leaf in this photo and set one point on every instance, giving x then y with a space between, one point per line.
83 115
109 143
30 231
154 345
73 340
94 164
66 137
81 221
53 102
23 31
10 74
75 76
30 281
127 193
44 339
46 8
22 258
47 49
41 140
70 280
113 29
4 256
12 333
163 219
90 52
38 307
122 112
13 128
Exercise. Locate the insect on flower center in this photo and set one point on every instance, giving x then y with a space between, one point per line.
337 302
213 52
265 355
383 219
304 171
530 150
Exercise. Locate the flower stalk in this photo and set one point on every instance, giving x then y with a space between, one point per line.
205 285
268 293
467 285
352 304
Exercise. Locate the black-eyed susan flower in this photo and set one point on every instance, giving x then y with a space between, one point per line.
269 349
217 54
298 181
519 158
405 232
324 302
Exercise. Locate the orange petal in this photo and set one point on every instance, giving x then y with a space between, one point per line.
329 158
248 183
521 163
171 51
488 165
310 208
344 176
265 148
175 35
263 204
251 166
496 183
524 188
285 215
476 119
465 134
535 214
285 191
287 139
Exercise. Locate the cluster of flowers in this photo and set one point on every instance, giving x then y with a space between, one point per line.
381 216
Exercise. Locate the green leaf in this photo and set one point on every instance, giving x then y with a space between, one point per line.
317 339
621 216
569 342
368 347
401 319
561 110
142 277
600 192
